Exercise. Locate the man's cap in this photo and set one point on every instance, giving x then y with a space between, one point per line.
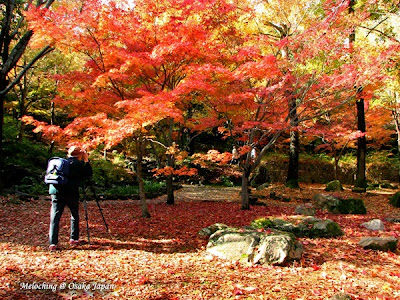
74 151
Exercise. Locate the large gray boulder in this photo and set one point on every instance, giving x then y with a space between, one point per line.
278 249
233 245
339 205
255 247
379 243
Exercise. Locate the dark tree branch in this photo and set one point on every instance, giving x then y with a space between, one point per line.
42 53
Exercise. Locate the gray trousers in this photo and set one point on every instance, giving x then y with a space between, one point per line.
58 204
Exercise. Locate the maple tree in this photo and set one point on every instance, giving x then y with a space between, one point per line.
130 83
144 76
382 26
281 21
265 91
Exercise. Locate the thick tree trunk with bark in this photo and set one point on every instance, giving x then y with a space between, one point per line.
292 179
139 174
170 163
2 97
248 168
361 181
170 188
396 118
245 190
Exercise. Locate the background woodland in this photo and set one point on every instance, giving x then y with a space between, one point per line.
168 88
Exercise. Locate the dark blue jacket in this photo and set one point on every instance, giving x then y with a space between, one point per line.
79 171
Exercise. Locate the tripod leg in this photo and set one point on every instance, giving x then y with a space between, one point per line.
101 212
87 220
98 205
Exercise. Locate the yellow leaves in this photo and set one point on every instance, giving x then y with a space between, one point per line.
387 287
101 81
172 150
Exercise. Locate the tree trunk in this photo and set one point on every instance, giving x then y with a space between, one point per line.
292 179
170 182
170 163
3 86
139 174
51 148
245 191
336 167
170 190
2 98
396 118
22 108
361 181
53 114
247 169
398 143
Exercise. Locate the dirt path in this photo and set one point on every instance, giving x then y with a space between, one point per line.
206 193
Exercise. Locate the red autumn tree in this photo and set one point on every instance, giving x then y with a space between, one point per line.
136 59
255 97
147 64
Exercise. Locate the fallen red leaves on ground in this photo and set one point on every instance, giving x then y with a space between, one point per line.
164 258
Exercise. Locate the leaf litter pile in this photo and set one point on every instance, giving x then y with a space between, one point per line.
164 258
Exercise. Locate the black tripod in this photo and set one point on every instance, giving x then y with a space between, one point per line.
86 211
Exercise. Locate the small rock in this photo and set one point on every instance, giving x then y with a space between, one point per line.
375 225
379 243
334 185
340 296
305 209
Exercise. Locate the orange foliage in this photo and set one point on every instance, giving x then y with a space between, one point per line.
167 171
213 156
158 60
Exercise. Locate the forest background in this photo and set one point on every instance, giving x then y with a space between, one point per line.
174 79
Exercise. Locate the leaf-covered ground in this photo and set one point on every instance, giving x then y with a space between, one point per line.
164 258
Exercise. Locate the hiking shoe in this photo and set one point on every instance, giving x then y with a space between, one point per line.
53 247
74 242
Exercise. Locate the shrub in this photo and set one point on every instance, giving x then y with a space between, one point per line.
151 188
395 200
351 206
262 223
106 174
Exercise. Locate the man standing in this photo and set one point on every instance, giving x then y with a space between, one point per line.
68 195
235 156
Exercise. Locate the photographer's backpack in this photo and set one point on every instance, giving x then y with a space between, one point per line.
57 171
